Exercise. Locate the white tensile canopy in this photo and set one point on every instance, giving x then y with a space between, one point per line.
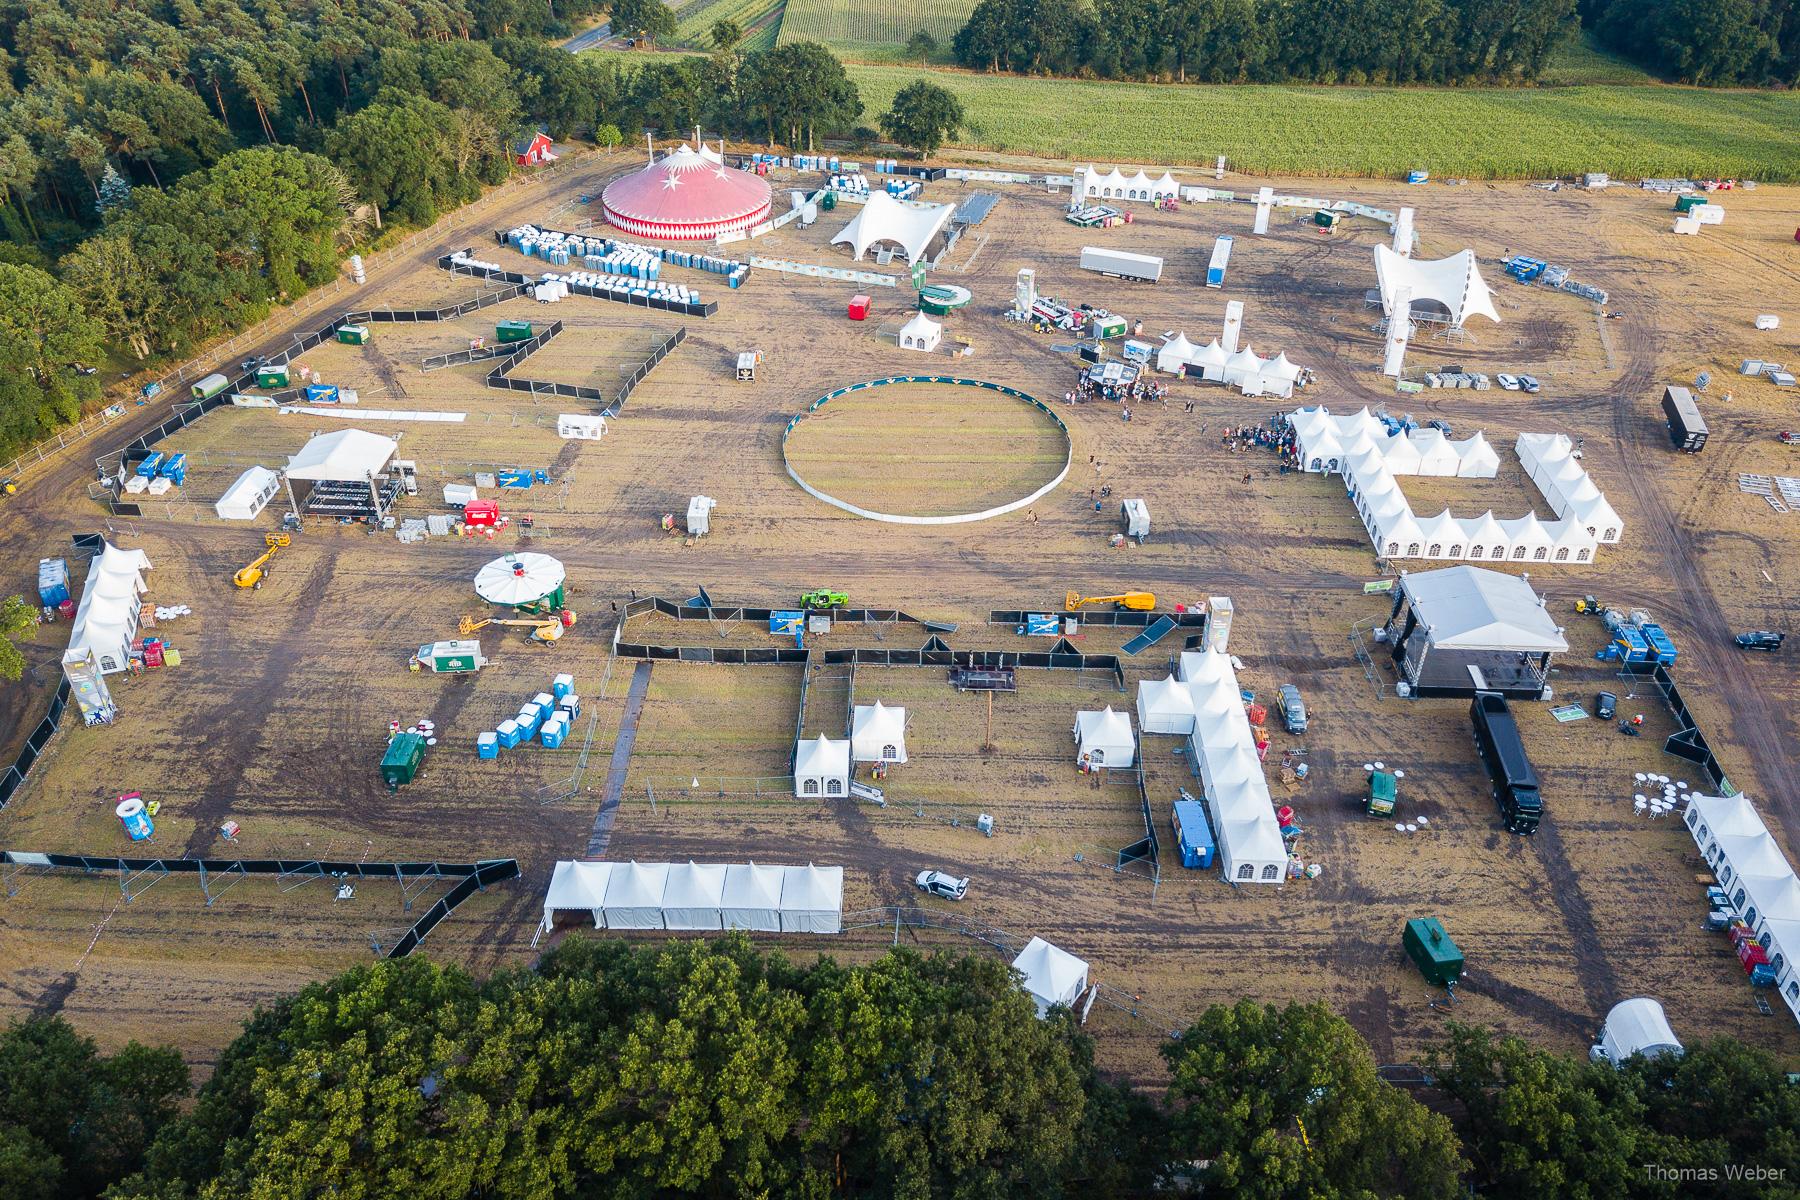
578 886
885 219
248 495
822 767
1165 706
1467 608
1453 282
1104 738
878 733
634 895
515 579
693 897
1052 975
752 897
1637 1026
921 333
812 899
346 455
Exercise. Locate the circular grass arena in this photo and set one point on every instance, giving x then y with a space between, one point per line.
927 450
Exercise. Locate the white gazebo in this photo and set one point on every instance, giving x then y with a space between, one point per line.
1636 1026
812 900
878 733
1175 354
519 579
752 898
693 897
822 767
921 333
1165 706
634 895
1103 739
1052 975
578 886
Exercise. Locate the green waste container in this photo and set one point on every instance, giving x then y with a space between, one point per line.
354 335
1432 951
1687 204
401 762
272 377
513 331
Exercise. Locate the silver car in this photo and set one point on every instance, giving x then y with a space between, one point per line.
943 884
1291 707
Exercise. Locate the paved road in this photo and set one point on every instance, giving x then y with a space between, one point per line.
588 40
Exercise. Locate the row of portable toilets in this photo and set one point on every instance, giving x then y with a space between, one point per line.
546 717
610 257
618 285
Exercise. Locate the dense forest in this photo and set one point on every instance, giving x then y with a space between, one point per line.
1751 42
689 1069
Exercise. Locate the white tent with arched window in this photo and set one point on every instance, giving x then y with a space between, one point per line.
822 767
1103 739
812 899
1757 878
878 733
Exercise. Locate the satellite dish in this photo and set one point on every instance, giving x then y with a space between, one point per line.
1701 380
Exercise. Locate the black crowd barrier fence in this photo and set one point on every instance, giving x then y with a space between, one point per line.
1118 618
686 308
14 778
1687 742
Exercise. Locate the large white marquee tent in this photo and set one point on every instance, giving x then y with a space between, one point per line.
908 224
1637 1026
1052 975
1116 185
1251 849
107 618
1453 282
1758 878
698 896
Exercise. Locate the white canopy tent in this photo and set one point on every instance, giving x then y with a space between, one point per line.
248 495
347 454
1549 458
108 615
1175 354
1453 282
578 886
1637 1026
885 219
634 895
878 733
921 333
1052 975
694 896
1251 849
515 579
1104 738
822 767
752 898
1165 706
1467 608
812 899
1116 185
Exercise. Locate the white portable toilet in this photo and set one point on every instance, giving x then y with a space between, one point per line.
1137 519
699 515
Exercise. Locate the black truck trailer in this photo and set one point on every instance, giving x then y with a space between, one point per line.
1503 754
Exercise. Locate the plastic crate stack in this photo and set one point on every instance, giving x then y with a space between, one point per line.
545 717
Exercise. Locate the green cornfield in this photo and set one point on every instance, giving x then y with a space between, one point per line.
874 30
1488 133
759 19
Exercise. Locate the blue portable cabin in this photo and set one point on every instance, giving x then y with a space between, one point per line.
1042 625
174 468
1221 258
513 479
53 581
1662 649
321 393
151 465
1193 836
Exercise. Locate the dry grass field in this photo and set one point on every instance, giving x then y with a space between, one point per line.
277 716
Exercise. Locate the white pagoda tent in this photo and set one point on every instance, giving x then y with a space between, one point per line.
693 897
822 767
1104 738
921 333
812 899
1165 706
752 898
878 733
634 895
1052 975
578 886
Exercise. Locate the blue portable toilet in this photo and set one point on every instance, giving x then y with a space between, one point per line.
528 720
562 685
507 734
1193 837
553 733
53 581
174 468
487 745
545 702
136 820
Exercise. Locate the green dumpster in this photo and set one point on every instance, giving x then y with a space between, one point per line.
353 335
1686 204
272 377
1381 794
513 331
401 762
1432 951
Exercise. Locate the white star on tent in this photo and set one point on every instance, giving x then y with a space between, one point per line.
671 181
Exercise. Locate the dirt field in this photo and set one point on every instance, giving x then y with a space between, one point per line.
278 714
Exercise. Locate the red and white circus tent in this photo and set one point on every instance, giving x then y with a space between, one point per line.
691 195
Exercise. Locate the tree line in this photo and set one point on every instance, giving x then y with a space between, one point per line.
1754 43
716 1070
1268 41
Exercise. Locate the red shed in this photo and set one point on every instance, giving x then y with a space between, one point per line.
535 152
859 308
481 512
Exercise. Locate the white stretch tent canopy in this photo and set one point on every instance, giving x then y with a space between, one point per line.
514 579
1242 369
1251 849
878 733
1466 608
1453 282
1052 975
580 886
1165 706
107 618
1104 738
1637 1026
248 495
693 896
822 767
348 454
921 333
1757 877
812 900
634 895
886 219
583 427
752 897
